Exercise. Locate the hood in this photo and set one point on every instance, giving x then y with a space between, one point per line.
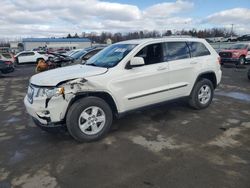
55 76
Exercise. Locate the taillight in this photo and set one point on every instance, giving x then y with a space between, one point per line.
219 60
8 62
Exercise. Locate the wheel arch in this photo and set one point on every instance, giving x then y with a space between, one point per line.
100 94
210 75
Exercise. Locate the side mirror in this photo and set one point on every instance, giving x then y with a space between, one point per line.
137 61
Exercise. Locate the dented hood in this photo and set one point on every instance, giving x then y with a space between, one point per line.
55 76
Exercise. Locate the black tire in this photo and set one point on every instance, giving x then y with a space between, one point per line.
248 74
242 60
194 101
75 111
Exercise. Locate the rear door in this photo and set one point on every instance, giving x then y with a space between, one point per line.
31 57
181 68
186 60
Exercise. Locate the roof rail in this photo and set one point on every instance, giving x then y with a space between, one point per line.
179 36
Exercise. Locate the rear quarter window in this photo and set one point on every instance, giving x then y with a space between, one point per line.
198 49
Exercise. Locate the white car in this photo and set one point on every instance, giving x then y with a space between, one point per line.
122 77
72 52
7 57
30 57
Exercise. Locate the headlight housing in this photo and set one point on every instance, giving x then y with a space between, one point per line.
50 92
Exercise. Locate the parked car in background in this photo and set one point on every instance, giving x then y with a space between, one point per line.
123 77
85 54
72 52
7 57
6 66
244 38
237 54
58 60
229 39
30 57
214 39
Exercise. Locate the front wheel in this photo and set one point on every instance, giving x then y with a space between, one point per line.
242 60
202 94
89 119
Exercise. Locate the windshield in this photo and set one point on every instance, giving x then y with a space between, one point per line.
110 56
238 46
78 54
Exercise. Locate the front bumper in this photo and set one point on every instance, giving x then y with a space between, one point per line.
50 115
8 70
230 60
248 58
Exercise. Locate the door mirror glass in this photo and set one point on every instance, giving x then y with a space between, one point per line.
137 61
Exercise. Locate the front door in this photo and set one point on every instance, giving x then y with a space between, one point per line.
147 84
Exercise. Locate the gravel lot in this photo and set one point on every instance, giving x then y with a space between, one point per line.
168 146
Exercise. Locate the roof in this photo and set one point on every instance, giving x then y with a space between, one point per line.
56 40
164 39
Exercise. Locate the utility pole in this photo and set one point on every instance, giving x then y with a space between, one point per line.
232 30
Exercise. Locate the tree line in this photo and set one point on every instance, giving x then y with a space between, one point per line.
116 37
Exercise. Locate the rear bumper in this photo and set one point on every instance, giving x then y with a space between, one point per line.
7 70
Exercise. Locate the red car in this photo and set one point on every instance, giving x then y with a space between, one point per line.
237 54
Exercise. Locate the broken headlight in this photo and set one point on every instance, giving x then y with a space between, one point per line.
50 92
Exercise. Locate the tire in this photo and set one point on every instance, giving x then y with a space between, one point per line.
248 74
194 100
82 112
242 60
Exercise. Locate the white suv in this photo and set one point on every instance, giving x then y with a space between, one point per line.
123 77
30 57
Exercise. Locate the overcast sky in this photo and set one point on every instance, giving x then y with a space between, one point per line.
46 18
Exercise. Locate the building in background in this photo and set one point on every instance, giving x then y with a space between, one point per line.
55 43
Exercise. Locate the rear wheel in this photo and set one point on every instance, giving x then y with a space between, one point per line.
89 119
202 94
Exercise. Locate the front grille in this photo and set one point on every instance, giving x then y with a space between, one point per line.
225 54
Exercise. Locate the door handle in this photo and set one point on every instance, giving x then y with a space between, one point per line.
161 68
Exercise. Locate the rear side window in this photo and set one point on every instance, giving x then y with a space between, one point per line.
198 49
175 51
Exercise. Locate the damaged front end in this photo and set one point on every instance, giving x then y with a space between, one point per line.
49 104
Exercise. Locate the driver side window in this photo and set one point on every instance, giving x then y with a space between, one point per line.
151 54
